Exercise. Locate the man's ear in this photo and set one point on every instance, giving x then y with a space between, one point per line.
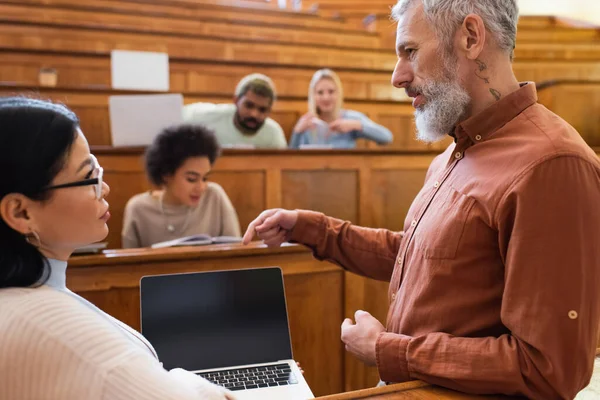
15 211
472 36
236 99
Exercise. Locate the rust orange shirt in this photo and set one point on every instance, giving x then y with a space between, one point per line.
495 281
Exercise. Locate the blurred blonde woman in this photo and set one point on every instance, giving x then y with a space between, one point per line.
327 124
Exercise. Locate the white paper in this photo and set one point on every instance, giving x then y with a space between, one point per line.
140 70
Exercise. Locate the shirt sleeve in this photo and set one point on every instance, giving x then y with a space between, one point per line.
548 226
365 251
372 131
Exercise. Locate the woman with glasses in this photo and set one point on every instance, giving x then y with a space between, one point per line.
178 163
53 343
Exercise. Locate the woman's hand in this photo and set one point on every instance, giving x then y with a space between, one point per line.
345 125
306 122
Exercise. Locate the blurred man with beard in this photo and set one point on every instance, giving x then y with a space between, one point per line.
246 122
494 281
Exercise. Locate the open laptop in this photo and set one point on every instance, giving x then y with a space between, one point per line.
230 327
136 119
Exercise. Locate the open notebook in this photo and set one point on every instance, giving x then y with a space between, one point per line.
197 240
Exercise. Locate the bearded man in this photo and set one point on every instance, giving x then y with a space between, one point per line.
494 281
246 121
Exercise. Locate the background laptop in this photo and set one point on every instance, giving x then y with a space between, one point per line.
136 119
230 327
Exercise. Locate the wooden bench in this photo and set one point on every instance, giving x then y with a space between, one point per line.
234 11
92 107
186 27
100 41
206 78
574 102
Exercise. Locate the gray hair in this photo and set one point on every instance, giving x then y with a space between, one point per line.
499 16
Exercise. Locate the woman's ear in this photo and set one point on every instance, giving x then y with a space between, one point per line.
167 179
15 211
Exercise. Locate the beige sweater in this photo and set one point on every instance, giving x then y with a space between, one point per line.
144 222
54 345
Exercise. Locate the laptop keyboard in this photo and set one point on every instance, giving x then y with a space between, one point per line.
252 378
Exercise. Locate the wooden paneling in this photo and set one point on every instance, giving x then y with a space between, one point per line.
314 294
287 120
247 190
333 193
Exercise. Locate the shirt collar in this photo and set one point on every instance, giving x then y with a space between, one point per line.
481 126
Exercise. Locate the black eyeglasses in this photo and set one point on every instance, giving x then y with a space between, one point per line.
96 180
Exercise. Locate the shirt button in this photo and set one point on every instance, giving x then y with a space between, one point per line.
436 184
393 296
458 155
413 223
478 137
573 314
399 260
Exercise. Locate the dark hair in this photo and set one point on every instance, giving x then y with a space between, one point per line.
35 140
173 146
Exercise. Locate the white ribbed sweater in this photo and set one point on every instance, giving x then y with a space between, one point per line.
56 345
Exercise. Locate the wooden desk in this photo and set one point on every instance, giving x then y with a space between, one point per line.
314 294
415 390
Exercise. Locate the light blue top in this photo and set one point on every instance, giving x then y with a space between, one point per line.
370 131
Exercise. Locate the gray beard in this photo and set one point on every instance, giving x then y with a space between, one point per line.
446 105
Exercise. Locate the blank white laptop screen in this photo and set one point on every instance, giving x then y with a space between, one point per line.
136 119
